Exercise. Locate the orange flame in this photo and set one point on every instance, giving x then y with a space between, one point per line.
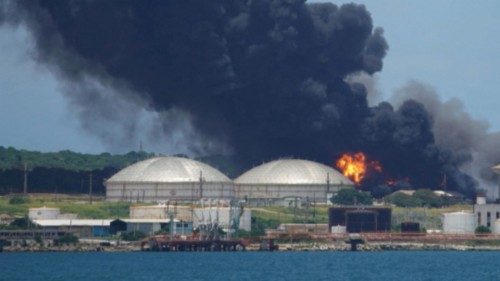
354 166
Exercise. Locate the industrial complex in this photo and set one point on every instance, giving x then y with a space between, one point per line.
181 204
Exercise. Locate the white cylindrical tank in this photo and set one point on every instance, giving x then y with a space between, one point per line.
44 213
459 223
160 212
496 227
338 229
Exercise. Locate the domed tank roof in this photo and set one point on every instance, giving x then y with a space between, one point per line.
292 171
168 169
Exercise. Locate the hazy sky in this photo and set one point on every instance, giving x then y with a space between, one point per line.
451 45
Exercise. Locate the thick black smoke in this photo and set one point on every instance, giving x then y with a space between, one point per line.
463 141
266 78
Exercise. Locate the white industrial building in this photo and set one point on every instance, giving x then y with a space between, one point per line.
225 217
47 213
459 223
278 181
168 178
161 211
81 227
43 213
486 213
152 226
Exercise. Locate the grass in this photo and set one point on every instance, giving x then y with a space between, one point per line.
430 218
292 215
100 209
79 205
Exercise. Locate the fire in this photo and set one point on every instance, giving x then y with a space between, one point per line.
355 166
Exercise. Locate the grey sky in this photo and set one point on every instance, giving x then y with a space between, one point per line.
451 45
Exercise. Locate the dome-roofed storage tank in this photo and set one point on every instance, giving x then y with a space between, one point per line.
271 182
168 178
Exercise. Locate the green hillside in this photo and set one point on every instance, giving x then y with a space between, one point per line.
11 158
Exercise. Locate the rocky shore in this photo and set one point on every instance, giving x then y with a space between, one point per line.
303 246
390 246
79 247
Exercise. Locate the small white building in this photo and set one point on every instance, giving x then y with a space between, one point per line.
459 223
81 227
161 211
486 214
46 213
152 226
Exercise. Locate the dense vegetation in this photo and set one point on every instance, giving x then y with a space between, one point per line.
63 172
351 196
69 172
11 158
421 198
482 229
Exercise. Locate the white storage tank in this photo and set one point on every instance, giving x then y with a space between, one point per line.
459 223
161 211
496 227
168 178
223 216
44 213
338 229
282 181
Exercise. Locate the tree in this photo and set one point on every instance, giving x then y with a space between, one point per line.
483 229
428 198
21 223
404 200
351 196
16 200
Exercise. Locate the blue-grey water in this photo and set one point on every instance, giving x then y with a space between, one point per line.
251 266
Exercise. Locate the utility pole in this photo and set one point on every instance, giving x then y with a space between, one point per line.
201 184
25 185
90 188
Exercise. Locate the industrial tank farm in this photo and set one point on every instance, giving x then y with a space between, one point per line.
168 178
286 180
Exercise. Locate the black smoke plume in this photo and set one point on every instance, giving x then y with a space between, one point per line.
262 79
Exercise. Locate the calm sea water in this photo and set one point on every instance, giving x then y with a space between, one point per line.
251 266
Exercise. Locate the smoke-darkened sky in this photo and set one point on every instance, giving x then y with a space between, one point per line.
451 45
258 80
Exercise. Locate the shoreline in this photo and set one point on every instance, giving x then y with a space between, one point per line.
283 247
